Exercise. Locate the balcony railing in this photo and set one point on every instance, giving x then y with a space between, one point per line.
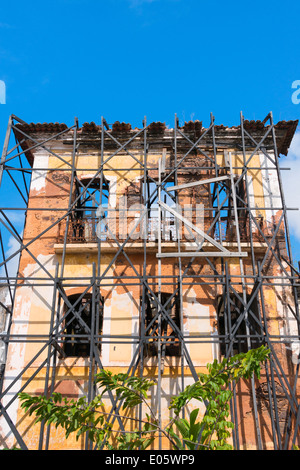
90 230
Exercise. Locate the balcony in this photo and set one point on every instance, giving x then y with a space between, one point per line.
83 235
87 230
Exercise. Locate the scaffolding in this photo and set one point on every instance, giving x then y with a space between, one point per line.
201 163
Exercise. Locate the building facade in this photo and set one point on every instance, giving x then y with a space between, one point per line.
150 251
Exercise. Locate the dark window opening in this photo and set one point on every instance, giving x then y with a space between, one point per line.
230 323
167 225
241 202
225 227
85 218
170 344
78 324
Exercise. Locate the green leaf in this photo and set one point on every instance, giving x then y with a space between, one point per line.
213 388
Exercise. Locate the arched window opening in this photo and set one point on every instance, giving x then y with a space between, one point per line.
159 325
246 329
84 218
82 323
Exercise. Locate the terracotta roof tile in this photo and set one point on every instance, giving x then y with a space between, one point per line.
284 130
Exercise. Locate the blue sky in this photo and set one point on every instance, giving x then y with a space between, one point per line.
126 59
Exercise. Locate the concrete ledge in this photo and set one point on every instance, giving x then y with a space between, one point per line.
152 247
